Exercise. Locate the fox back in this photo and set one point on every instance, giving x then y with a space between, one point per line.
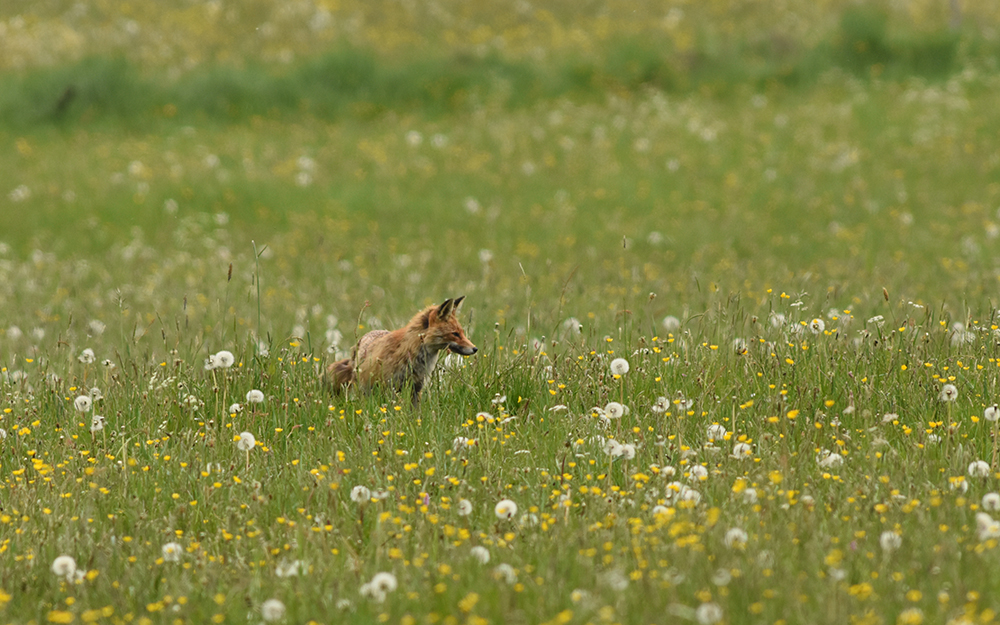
405 357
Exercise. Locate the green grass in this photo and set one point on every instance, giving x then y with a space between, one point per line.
281 213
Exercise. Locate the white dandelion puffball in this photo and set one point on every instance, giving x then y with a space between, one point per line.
172 552
614 410
64 566
699 472
505 509
246 441
708 614
662 405
619 366
948 393
991 502
742 451
505 572
736 538
255 397
464 507
628 451
360 494
384 582
272 610
480 554
817 326
992 413
96 424
716 432
613 448
986 526
658 510
83 403
87 356
671 323
890 541
979 469
235 408
224 359
750 495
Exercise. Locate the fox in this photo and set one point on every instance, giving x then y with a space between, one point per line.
403 358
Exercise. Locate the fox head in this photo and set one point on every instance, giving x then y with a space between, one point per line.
442 329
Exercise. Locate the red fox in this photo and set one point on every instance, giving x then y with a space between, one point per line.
406 357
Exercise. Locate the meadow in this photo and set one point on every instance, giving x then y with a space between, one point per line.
730 269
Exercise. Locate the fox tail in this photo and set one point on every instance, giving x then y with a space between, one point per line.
340 374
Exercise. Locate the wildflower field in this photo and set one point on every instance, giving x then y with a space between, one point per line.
730 268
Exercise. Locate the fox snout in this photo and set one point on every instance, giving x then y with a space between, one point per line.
464 350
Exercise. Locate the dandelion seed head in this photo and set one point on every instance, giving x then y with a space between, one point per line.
480 554
272 610
64 566
246 441
360 494
255 397
949 393
224 359
619 366
87 356
505 509
464 507
979 468
172 552
83 403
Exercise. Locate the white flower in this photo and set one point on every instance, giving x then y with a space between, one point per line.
614 410
662 405
464 507
255 397
828 459
658 510
742 451
246 441
3 434
986 526
817 326
172 552
992 413
82 403
750 495
619 366
291 569
235 408
360 494
96 394
223 360
777 320
890 541
505 572
628 451
979 468
210 362
480 553
948 393
385 582
716 432
505 509
991 501
272 610
736 538
64 566
699 472
690 494
613 448
671 323
708 614
87 356
96 424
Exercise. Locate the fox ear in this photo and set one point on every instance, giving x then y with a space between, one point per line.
458 302
444 310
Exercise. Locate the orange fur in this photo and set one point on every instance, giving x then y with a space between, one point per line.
405 357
